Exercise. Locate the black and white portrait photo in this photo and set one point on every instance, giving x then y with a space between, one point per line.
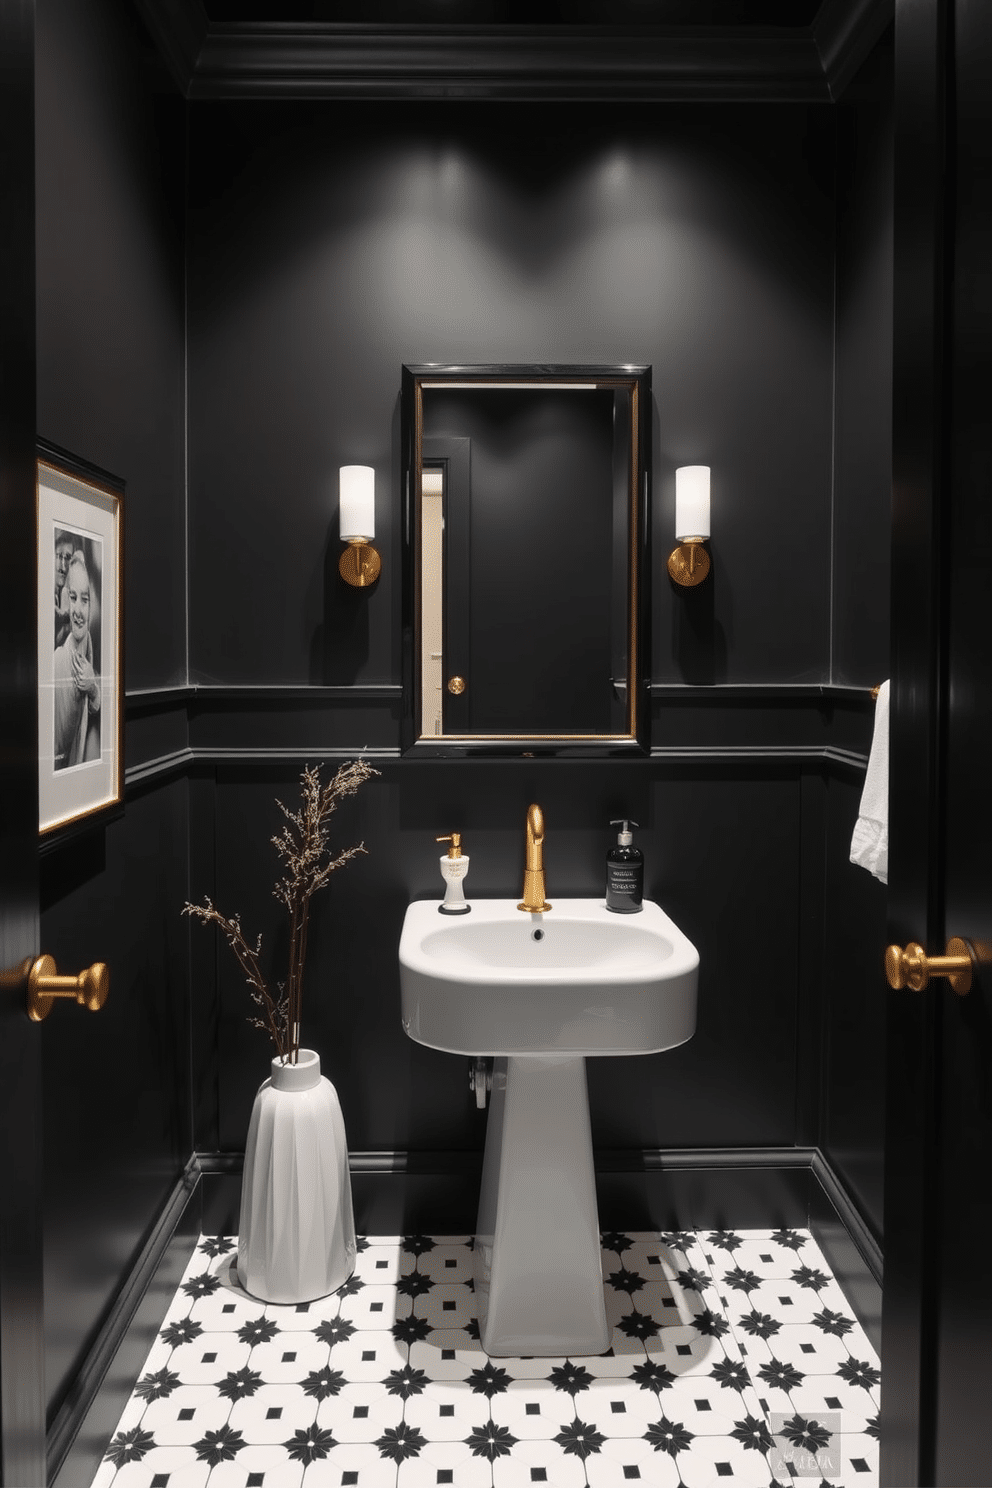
76 654
79 639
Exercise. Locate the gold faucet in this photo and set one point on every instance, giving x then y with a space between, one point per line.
534 901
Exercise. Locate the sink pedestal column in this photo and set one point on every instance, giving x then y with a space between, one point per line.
538 1268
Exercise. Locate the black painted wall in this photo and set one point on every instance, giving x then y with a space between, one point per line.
110 274
728 247
331 243
851 1132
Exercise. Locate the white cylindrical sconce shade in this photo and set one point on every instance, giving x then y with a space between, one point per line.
692 502
356 510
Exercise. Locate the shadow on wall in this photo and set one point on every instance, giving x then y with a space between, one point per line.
699 641
339 648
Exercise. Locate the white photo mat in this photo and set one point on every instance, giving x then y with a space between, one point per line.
79 647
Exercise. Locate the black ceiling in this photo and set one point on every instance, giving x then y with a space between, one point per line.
696 13
514 51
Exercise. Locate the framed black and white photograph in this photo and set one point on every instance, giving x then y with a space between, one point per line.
80 675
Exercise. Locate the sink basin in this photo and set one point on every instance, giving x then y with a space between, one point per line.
577 980
540 992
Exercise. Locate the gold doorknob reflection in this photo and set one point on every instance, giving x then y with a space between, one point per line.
89 988
456 685
913 968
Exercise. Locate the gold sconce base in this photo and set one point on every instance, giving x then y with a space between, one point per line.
359 564
689 563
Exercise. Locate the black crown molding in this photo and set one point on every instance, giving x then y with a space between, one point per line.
515 63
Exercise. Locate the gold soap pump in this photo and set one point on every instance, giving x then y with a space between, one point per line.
454 867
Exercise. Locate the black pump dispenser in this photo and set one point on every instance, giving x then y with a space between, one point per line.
624 872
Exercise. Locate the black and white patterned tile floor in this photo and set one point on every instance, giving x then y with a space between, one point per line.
734 1360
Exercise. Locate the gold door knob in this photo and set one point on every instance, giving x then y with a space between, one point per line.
89 988
456 685
913 968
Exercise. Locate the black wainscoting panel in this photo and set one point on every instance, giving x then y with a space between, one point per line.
110 171
331 243
722 856
863 439
722 851
204 953
771 719
852 1034
116 1082
156 729
307 718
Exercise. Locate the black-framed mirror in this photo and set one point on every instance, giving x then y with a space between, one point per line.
526 492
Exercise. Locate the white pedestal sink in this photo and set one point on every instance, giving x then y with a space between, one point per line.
541 992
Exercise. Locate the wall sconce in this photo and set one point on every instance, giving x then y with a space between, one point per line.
689 563
359 564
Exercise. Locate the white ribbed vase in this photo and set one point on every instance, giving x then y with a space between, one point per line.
296 1239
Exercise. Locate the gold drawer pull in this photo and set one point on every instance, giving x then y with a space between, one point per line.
913 968
89 988
456 685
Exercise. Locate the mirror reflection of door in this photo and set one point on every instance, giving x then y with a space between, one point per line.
526 563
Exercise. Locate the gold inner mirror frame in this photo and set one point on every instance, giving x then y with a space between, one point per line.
525 581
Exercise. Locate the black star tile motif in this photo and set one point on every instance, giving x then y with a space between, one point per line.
400 1442
222 1445
490 1380
334 1330
258 1330
759 1324
323 1383
832 1322
572 1378
789 1238
310 1445
182 1331
129 1446
417 1245
410 1329
781 1376
406 1382
731 1375
157 1386
669 1436
492 1441
416 1284
660 1373
859 1372
201 1286
238 1385
653 1376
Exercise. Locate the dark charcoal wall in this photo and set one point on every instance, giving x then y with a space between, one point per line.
110 388
853 1118
733 1084
863 440
331 243
328 245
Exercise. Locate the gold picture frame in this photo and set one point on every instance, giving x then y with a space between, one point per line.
80 640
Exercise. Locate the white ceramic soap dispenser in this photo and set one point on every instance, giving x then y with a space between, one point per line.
454 867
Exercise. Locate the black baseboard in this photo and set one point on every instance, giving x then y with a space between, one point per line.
81 1428
399 1193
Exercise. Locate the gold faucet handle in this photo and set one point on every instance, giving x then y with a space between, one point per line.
455 838
90 988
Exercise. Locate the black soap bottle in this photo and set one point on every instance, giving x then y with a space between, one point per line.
625 872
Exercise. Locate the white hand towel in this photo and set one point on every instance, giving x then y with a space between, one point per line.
870 842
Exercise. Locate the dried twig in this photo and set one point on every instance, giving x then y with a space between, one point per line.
302 846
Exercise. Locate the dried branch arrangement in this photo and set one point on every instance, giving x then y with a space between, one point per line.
308 865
